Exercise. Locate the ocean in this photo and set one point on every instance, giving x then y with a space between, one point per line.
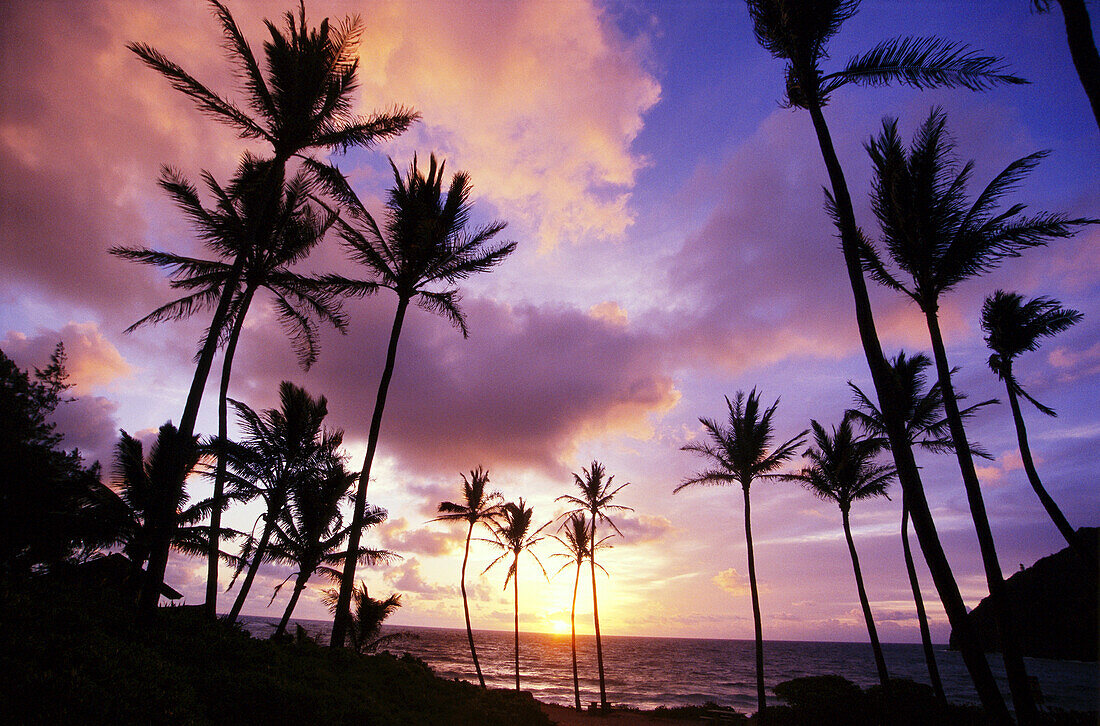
649 672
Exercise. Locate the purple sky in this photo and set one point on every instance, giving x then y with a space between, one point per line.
672 250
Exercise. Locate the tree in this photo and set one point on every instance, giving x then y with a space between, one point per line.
1013 326
310 531
477 507
425 244
281 448
1082 47
367 617
842 470
926 428
739 453
798 32
595 500
937 239
578 547
231 231
512 533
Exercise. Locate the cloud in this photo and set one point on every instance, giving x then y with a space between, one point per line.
642 528
90 359
396 535
407 578
735 583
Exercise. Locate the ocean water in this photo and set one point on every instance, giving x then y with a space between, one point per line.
650 672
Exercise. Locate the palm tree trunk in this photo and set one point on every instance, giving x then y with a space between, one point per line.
922 616
214 552
573 637
1049 504
347 580
908 473
596 619
163 530
515 591
1002 608
299 586
1082 47
872 632
761 696
254 566
466 608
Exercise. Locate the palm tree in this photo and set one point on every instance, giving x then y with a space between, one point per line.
152 490
926 428
937 239
425 244
798 32
367 616
230 230
578 546
595 500
301 104
1013 326
281 448
512 533
739 453
1082 47
310 530
842 470
478 506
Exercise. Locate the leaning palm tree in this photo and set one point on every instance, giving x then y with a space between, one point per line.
280 448
425 246
842 470
937 239
578 547
595 500
367 616
798 32
740 453
1082 46
926 428
477 506
231 229
513 534
1013 326
310 530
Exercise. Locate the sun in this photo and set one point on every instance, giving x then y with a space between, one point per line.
558 627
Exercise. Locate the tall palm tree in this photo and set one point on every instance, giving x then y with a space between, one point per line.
1082 46
595 500
925 427
1013 326
512 533
842 470
937 239
425 245
281 447
798 32
299 103
477 506
741 452
310 530
578 547
231 231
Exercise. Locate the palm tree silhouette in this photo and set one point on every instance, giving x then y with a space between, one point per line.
512 533
1082 47
478 506
230 230
595 500
578 546
1013 326
367 616
739 453
310 530
281 447
937 239
425 244
842 470
798 32
926 428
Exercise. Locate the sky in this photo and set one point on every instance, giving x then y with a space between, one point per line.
672 250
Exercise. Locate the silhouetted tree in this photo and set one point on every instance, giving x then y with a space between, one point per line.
425 244
739 453
367 617
477 506
1013 326
1082 47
